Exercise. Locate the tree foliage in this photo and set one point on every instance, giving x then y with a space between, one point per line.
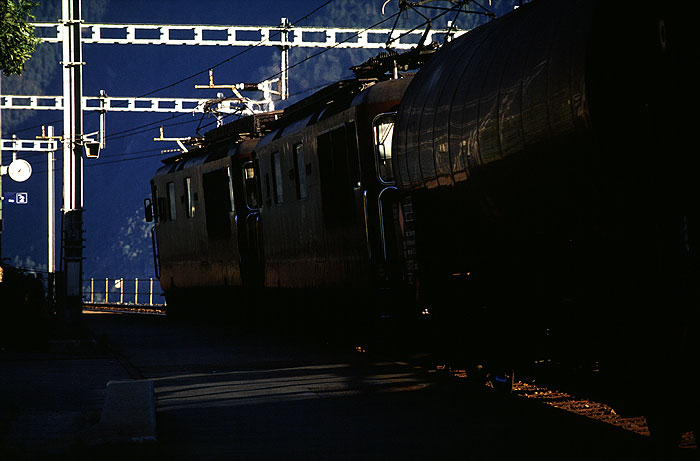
17 40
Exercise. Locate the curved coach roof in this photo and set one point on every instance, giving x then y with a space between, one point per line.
389 90
516 81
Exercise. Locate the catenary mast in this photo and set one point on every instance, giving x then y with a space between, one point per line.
72 232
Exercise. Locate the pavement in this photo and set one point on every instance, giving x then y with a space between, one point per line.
146 388
73 399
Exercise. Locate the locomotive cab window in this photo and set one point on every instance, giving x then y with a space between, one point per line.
171 201
383 127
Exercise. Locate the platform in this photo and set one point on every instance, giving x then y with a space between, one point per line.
219 393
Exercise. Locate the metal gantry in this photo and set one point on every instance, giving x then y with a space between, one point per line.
282 35
146 104
29 145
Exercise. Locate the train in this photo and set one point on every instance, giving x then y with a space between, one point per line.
523 194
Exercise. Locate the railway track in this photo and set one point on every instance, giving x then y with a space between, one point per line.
571 403
593 410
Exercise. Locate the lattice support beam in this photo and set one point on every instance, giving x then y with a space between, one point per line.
29 145
128 104
309 37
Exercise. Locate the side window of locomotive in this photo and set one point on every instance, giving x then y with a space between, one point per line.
162 207
353 154
268 200
337 163
277 178
189 198
156 212
250 185
171 202
383 127
217 203
232 205
300 172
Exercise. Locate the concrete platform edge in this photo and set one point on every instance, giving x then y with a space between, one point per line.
128 415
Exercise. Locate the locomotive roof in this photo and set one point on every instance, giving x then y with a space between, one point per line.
249 127
338 93
331 99
206 154
336 98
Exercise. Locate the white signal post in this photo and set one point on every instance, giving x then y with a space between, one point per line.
51 185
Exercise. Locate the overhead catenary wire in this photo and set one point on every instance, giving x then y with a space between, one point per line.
325 50
146 127
139 129
396 15
129 158
196 74
126 133
231 58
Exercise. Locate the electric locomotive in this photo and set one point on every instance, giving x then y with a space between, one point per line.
295 212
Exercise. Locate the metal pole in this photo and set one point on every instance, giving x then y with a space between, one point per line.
51 160
121 291
106 291
103 117
284 78
51 221
136 291
92 289
150 291
0 169
72 162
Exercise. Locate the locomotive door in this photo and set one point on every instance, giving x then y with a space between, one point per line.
386 244
251 250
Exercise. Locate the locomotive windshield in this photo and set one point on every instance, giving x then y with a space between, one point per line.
383 127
